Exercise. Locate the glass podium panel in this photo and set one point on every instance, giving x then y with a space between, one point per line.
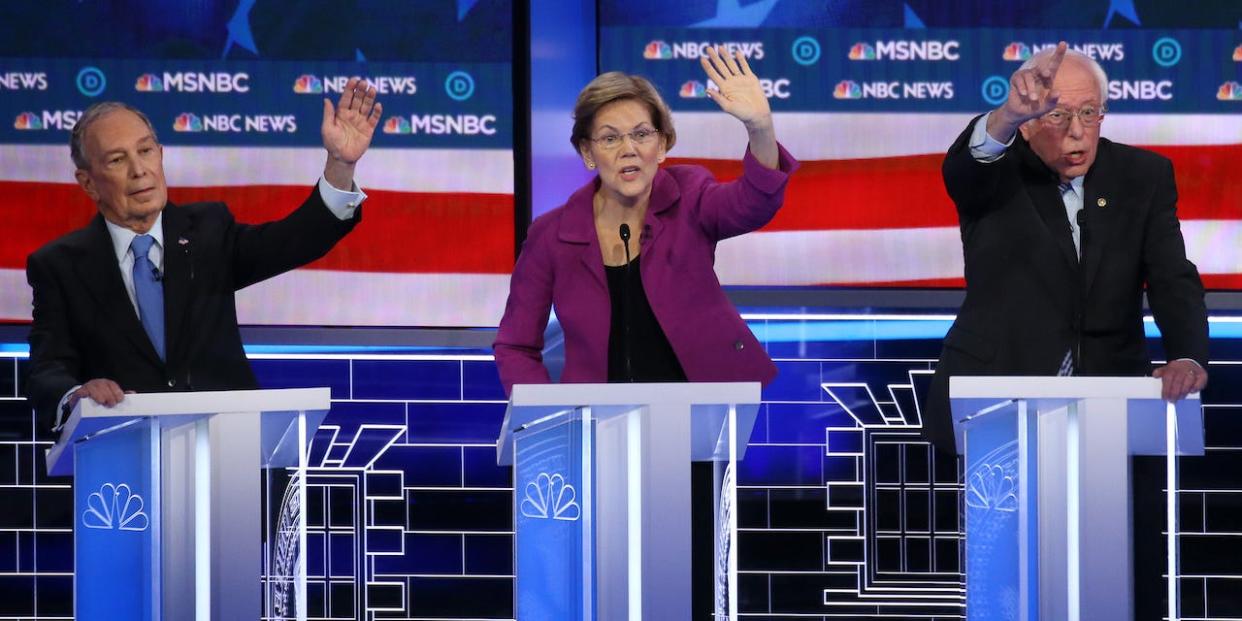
283 446
995 517
554 492
117 523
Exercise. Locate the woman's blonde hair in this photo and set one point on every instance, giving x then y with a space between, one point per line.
617 86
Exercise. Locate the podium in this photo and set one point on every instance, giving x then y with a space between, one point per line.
187 506
602 495
1047 490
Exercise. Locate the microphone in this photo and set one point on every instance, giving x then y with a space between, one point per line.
155 273
625 303
625 239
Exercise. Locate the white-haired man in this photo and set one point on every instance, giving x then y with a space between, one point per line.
1061 231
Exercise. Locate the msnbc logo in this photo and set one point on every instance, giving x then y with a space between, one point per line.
1237 54
307 84
149 83
693 89
397 125
862 51
657 50
1230 91
1017 51
28 120
847 89
188 122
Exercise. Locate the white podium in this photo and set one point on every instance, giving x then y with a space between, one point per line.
602 495
1047 490
183 502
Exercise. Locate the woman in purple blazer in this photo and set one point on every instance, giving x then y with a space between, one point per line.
627 261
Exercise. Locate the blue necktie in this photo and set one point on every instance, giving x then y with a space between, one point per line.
149 291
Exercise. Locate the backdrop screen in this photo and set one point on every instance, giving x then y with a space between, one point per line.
234 90
869 94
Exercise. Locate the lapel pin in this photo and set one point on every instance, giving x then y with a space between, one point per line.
183 241
1103 202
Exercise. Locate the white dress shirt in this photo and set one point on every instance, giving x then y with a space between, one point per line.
341 203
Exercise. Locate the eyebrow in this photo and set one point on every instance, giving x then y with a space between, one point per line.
141 141
642 123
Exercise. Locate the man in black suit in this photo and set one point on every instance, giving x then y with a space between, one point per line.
1060 230
141 299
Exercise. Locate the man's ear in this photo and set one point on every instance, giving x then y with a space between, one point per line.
86 183
1027 128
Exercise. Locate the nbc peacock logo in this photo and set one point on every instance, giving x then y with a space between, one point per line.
1017 51
28 121
657 50
692 89
149 83
397 125
1229 91
847 89
862 51
1237 54
188 122
307 84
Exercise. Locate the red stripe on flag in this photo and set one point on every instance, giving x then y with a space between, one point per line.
1217 282
400 231
908 192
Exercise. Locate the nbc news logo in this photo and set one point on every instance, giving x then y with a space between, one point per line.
307 84
847 89
657 50
1017 51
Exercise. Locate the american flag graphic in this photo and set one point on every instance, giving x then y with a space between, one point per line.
435 246
868 206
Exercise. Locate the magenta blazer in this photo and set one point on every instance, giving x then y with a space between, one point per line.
561 267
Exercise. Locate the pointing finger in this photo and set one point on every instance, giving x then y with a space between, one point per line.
1054 63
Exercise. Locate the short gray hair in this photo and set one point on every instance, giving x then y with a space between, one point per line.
1101 78
92 114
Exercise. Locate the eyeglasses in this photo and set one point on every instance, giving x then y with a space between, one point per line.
638 137
1089 115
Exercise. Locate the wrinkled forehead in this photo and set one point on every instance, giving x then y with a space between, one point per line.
118 128
623 115
1076 83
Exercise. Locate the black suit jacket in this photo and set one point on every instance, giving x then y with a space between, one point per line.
1028 297
85 326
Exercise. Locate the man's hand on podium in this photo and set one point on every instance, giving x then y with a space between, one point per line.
105 392
1180 378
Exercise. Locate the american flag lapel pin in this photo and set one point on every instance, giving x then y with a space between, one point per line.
182 241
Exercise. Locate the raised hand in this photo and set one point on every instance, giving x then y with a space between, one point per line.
737 89
738 93
347 128
1031 94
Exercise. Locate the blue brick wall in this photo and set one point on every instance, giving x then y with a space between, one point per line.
412 519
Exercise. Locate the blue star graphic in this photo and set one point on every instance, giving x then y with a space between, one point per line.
731 14
1124 8
463 7
912 19
239 30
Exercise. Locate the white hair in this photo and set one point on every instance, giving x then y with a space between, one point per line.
1101 78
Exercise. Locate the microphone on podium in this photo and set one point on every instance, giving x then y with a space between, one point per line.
625 303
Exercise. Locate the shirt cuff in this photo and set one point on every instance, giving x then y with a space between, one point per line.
983 147
342 204
1192 360
768 180
61 414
